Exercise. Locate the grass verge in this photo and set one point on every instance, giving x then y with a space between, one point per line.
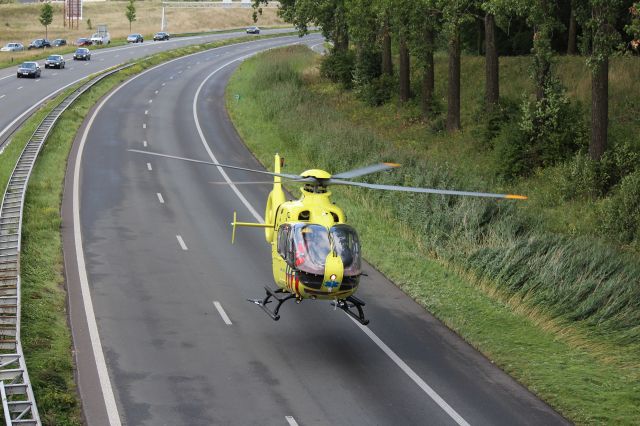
285 107
45 334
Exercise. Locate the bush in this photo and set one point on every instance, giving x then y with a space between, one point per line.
377 91
620 214
549 131
338 66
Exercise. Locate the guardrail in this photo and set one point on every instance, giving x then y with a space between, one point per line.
18 402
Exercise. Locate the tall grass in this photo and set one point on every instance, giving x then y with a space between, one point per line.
559 281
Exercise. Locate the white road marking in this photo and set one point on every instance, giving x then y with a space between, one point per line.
164 84
291 421
180 72
222 313
102 60
156 92
412 374
181 242
37 79
55 73
86 64
96 346
149 167
171 78
19 88
2 96
146 112
144 143
144 125
395 358
94 335
160 198
150 101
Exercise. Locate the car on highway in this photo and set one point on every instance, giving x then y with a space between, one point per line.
83 41
12 47
82 53
162 35
135 38
253 30
39 43
54 61
59 42
29 69
101 38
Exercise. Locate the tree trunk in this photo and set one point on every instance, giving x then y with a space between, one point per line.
428 78
479 37
492 68
599 109
571 44
387 64
404 77
453 95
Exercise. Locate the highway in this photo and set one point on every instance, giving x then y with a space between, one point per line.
148 257
21 96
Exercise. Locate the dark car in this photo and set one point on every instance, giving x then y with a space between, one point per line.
83 41
54 61
29 69
82 53
253 30
161 36
135 38
59 42
39 43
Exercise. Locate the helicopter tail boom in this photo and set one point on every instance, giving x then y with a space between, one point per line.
246 224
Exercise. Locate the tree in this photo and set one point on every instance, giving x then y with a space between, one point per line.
455 13
604 37
46 17
572 35
130 13
492 64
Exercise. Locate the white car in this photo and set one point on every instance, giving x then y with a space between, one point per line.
12 47
101 38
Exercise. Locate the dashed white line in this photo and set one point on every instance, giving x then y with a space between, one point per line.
86 64
144 125
2 96
180 72
37 79
150 101
160 199
222 313
149 167
181 242
171 78
144 143
164 84
146 112
157 92
55 73
19 88
291 420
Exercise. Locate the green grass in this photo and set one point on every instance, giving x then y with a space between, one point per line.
45 334
558 313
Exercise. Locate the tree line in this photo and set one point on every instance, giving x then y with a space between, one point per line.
363 32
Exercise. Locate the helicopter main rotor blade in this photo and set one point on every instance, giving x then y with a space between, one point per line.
226 166
374 168
262 182
426 190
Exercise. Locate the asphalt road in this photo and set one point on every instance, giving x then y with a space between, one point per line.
20 96
155 238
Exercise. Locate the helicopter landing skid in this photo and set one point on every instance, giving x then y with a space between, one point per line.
272 294
351 302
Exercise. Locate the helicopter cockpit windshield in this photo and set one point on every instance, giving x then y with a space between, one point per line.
310 245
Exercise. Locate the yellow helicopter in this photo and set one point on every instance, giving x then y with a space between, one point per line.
315 254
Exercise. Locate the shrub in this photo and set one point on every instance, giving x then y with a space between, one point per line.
377 91
338 67
620 214
549 131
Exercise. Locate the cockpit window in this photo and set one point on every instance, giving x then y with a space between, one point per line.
311 244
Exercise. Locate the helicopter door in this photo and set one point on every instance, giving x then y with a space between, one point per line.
283 241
